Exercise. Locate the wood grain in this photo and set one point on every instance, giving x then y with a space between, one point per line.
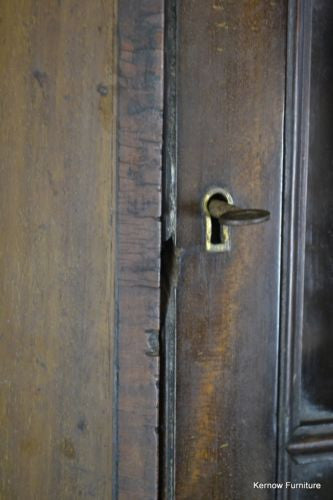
140 103
231 78
57 249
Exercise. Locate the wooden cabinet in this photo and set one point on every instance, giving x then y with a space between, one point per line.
147 350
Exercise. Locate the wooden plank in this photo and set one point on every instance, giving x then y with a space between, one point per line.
140 102
57 170
230 105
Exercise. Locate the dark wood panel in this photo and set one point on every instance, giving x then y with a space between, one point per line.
317 363
140 100
306 368
56 249
231 76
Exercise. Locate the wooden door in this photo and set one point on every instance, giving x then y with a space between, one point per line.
248 326
80 173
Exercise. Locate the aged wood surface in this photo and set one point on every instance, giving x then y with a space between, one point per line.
231 78
138 256
56 248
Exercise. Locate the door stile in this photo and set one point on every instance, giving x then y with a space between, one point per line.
139 165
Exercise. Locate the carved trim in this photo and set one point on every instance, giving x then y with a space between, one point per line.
311 443
294 222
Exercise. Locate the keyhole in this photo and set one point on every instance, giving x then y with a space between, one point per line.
217 235
216 232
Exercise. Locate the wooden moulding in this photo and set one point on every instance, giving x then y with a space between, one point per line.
139 143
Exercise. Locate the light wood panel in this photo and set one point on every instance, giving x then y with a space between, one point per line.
57 248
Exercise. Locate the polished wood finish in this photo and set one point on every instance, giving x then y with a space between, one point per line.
140 103
231 80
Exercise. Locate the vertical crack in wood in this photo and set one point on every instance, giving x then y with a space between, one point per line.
169 262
